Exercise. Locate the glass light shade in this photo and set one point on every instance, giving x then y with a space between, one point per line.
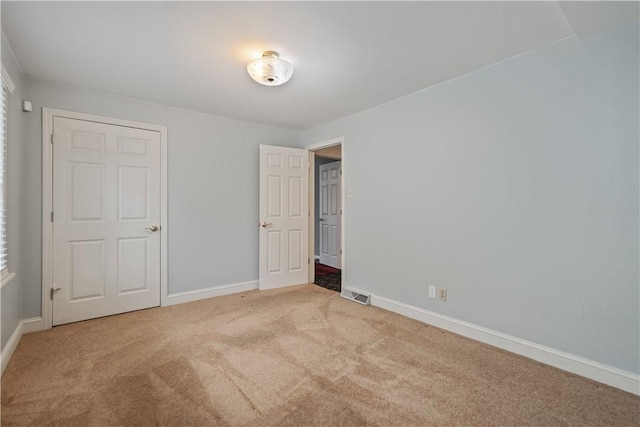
270 70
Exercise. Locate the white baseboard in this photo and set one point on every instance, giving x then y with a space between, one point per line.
33 324
316 257
182 297
24 326
10 346
596 371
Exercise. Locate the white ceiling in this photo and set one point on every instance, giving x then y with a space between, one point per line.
348 56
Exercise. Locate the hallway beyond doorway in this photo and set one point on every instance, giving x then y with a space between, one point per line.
328 277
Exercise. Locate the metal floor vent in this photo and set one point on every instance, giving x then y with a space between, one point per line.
357 297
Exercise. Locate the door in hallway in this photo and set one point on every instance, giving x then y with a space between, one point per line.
330 214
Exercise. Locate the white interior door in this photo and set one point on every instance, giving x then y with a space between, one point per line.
284 216
106 204
330 214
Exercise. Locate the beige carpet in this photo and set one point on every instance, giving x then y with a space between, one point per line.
297 356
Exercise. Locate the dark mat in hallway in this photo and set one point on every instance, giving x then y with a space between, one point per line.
328 277
322 269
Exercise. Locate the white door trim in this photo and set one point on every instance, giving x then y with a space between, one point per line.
312 149
47 200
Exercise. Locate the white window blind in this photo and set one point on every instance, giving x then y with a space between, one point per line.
3 184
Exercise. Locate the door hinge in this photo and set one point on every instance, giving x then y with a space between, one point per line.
308 260
340 171
53 291
51 140
51 216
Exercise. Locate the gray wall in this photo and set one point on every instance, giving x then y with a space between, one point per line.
11 311
515 187
319 161
213 187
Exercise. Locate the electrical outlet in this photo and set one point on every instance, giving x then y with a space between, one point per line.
432 291
442 294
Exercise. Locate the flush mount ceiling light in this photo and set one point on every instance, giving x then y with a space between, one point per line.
270 70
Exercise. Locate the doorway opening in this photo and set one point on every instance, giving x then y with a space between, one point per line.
326 230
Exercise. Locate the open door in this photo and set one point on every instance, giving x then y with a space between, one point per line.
284 215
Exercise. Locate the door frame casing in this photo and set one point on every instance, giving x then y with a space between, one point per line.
312 164
48 115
